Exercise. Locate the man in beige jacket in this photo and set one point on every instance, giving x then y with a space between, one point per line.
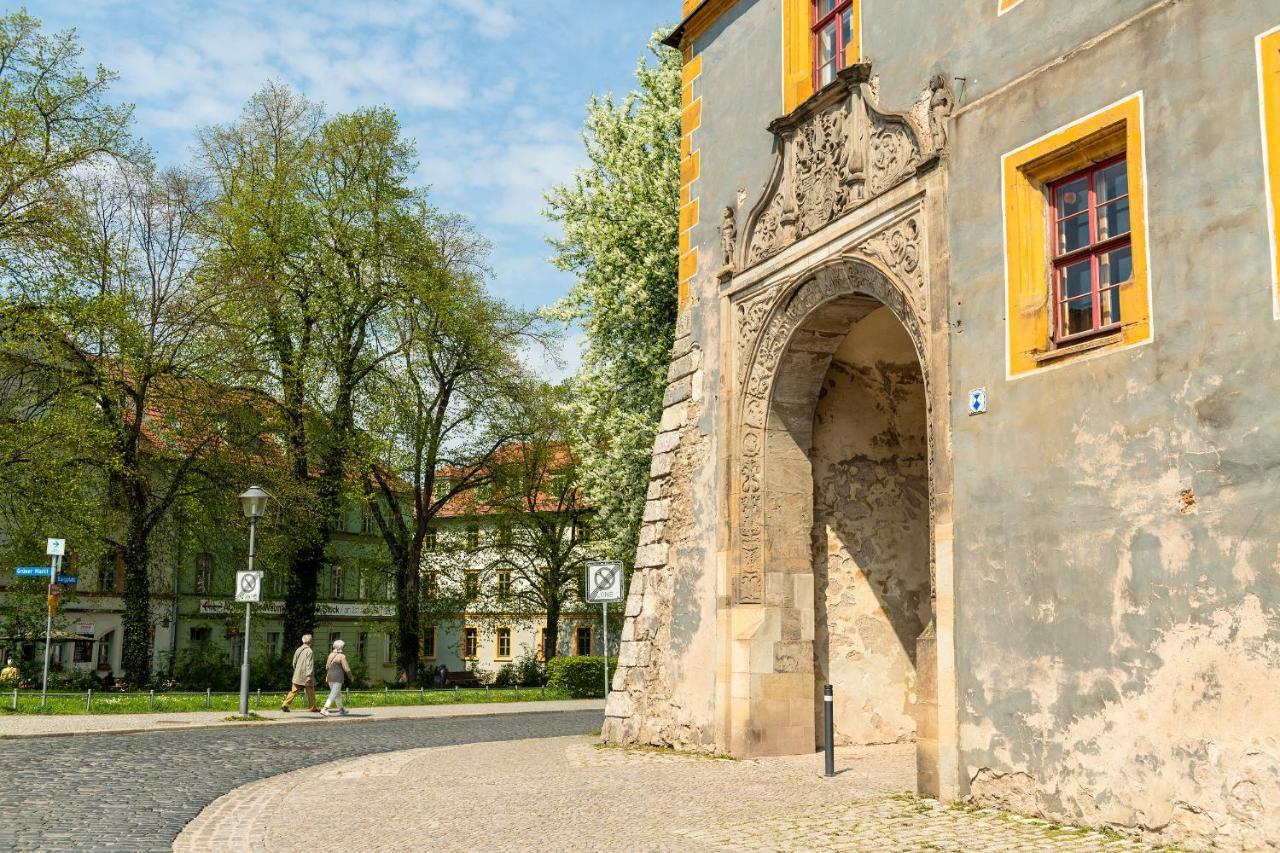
304 675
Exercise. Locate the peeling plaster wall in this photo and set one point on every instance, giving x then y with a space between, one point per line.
871 535
1117 519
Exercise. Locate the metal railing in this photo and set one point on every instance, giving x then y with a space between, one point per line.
138 701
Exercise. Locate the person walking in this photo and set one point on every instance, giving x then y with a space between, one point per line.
336 672
304 675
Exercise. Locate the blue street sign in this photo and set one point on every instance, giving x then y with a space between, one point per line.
66 579
32 571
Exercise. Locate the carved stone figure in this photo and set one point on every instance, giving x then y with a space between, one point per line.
941 102
728 237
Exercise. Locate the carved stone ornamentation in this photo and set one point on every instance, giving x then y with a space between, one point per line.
898 248
838 151
765 327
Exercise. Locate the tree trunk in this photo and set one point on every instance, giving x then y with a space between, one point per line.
408 613
552 641
136 647
300 592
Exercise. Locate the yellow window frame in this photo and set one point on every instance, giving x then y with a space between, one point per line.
1026 173
497 646
1269 107
797 50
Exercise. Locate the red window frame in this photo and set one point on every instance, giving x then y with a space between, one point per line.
1094 251
820 23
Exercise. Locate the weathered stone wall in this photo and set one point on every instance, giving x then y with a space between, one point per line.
1117 539
659 685
871 534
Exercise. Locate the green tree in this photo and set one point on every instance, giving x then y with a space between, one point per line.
315 225
440 410
543 542
120 317
619 218
53 119
54 122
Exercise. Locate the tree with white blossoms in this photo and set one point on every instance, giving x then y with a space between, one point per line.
619 218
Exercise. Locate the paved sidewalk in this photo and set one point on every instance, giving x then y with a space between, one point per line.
34 725
135 792
566 794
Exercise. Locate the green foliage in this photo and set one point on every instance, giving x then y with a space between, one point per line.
24 610
54 117
578 677
269 672
205 667
73 679
505 676
530 670
620 238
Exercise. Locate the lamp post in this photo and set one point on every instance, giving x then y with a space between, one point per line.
254 503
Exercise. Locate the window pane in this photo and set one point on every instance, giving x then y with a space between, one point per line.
1077 280
1073 197
826 74
827 44
1113 219
1113 181
1077 315
824 7
846 30
1073 233
1115 267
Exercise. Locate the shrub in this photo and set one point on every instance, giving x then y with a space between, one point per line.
205 667
74 679
530 671
270 672
506 676
579 677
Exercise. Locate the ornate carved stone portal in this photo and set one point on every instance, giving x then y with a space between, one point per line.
842 230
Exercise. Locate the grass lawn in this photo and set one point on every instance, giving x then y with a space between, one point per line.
141 703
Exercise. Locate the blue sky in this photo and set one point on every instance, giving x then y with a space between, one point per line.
493 91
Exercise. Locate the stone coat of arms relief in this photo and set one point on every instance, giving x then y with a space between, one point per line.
837 152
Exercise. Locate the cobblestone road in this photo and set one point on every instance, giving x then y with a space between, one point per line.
565 794
136 792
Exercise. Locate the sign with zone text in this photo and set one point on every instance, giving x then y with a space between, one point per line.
604 581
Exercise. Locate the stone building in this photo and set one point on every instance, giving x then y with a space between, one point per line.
972 410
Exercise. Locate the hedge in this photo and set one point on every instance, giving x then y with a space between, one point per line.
579 677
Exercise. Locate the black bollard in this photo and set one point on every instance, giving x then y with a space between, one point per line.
829 729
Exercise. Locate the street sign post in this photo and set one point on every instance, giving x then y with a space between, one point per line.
55 550
604 586
248 590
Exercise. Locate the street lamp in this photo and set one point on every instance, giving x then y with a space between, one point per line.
254 503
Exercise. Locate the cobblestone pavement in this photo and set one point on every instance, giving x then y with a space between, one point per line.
38 725
567 794
136 792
